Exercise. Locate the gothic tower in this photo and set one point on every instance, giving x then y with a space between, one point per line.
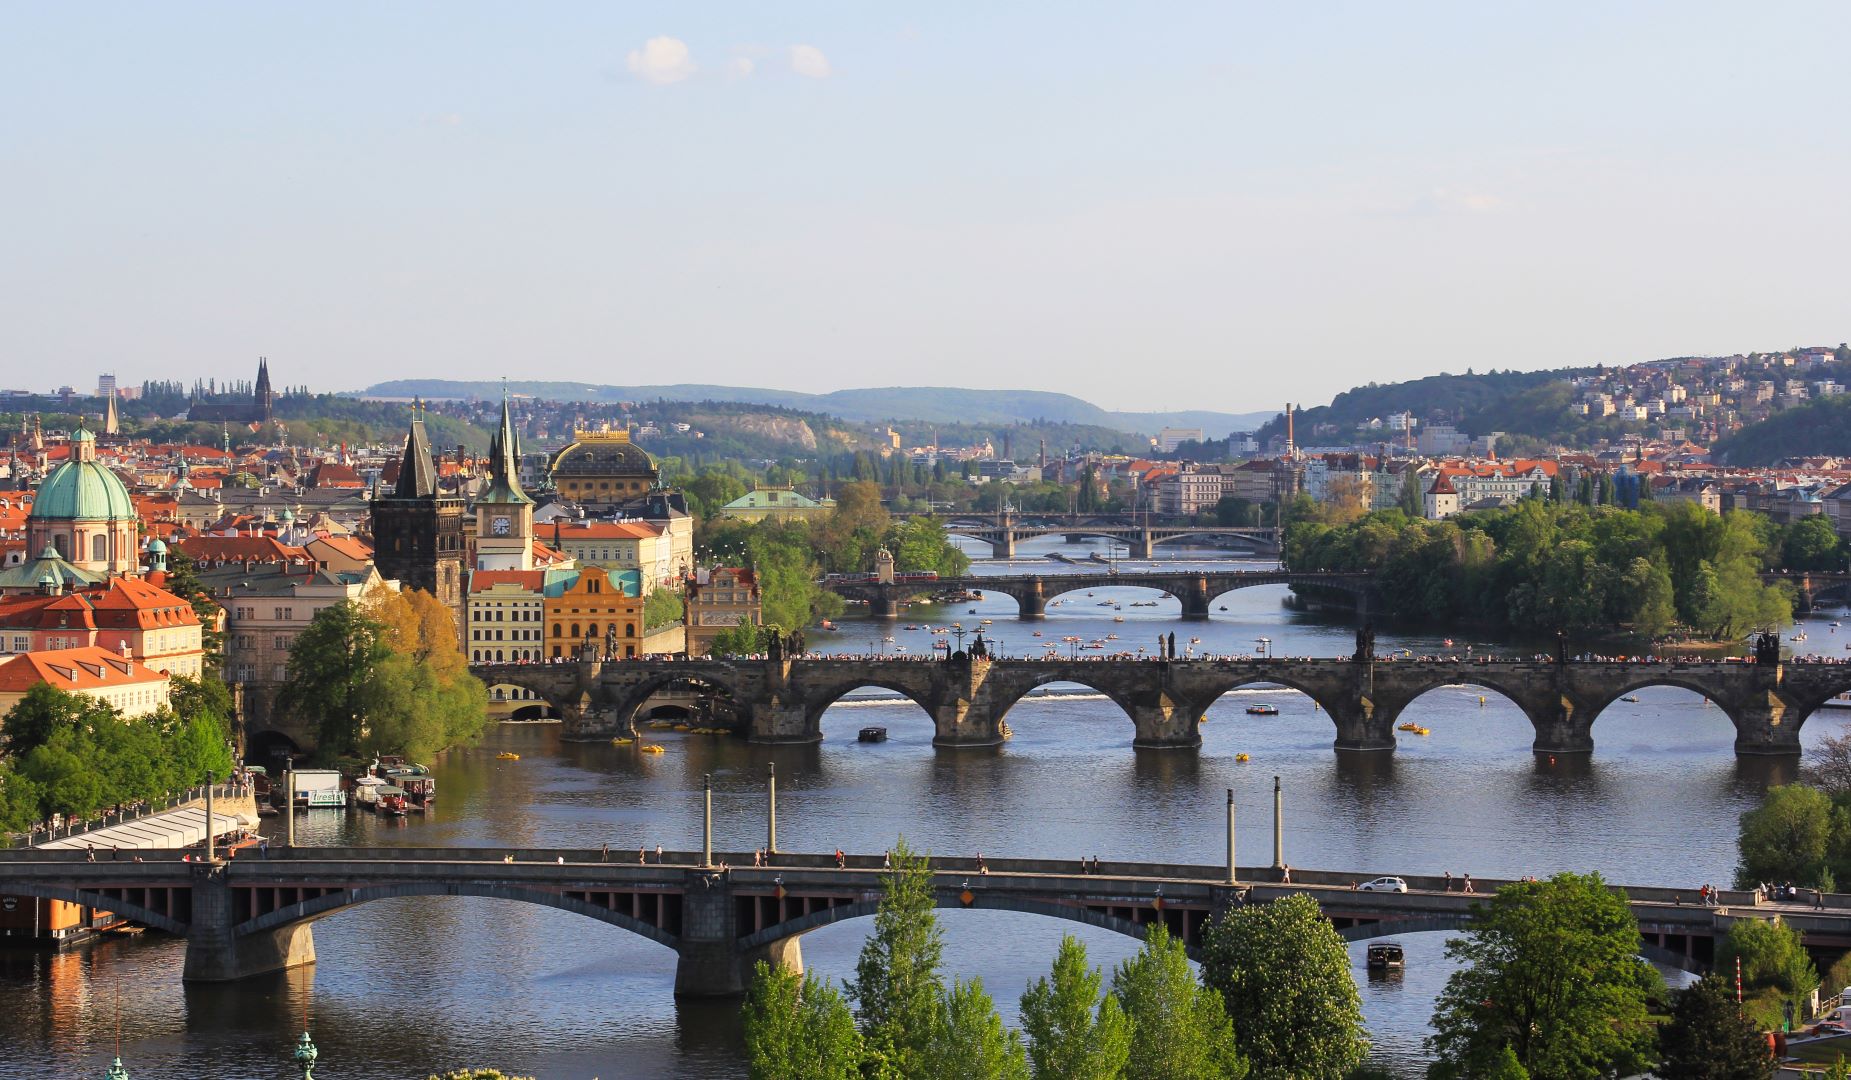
504 513
417 530
264 398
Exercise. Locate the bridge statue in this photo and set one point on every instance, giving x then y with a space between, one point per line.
1767 648
1365 642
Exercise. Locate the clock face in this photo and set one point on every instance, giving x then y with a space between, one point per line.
500 526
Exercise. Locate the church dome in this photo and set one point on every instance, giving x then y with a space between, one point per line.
83 489
602 454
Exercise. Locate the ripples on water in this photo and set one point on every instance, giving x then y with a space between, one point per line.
407 986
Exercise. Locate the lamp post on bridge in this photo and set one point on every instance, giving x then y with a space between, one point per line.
771 817
1278 826
707 820
1233 878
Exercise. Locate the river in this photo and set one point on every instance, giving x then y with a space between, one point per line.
405 987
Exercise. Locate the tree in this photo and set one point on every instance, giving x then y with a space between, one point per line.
332 665
423 698
1708 1037
744 639
798 1028
45 710
1811 544
1284 975
1072 1033
1776 969
1409 497
206 699
1786 838
896 987
1550 974
969 1042
1828 765
1179 1029
661 608
20 798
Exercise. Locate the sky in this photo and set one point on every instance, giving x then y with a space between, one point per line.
1152 206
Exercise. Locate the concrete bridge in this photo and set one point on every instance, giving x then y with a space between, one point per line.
250 916
1197 590
1139 533
968 698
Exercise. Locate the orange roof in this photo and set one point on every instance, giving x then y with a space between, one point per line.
132 600
221 549
532 580
607 530
89 668
349 546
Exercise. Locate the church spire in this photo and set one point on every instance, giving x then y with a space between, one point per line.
504 469
417 473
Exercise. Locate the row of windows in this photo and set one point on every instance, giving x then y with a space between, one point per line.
502 656
513 635
593 630
483 613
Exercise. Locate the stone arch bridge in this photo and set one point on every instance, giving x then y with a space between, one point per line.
247 917
1196 589
968 699
1138 532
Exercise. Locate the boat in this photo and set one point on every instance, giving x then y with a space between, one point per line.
392 803
1385 955
1195 641
872 734
972 611
1263 709
319 789
366 791
653 748
507 755
1407 725
420 791
622 740
827 625
1631 697
1223 607
1037 633
1241 757
1118 618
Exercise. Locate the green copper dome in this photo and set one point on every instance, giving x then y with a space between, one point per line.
82 491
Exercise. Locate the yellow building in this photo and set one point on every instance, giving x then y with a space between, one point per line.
590 608
602 468
507 616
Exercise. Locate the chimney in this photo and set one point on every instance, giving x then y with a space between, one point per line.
1291 440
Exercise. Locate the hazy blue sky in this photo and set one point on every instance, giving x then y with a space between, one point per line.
1150 205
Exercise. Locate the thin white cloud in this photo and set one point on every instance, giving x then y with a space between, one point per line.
809 61
740 67
448 119
661 60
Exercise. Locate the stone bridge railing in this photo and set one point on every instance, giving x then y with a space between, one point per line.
249 916
969 699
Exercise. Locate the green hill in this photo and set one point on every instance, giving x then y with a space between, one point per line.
1821 426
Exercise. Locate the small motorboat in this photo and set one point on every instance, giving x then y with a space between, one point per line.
1385 956
1262 709
827 625
1223 607
872 734
1631 697
507 755
1118 618
973 611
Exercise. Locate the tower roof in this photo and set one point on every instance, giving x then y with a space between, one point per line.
417 474
504 463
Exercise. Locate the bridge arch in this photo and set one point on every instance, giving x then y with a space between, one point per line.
318 908
1393 709
980 901
1011 697
1599 707
1318 697
85 898
1463 921
820 699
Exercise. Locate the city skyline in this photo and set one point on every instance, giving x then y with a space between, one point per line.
1263 205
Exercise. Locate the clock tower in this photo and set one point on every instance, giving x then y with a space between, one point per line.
504 513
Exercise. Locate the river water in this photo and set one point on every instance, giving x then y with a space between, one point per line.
406 987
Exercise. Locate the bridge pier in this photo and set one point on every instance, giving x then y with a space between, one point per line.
1361 726
710 962
1166 725
1142 546
1003 545
967 725
1032 602
1766 725
779 721
1561 727
882 605
215 952
1195 598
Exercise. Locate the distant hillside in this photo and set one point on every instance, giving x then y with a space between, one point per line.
1821 426
927 404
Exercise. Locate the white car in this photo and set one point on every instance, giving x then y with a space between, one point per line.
1384 884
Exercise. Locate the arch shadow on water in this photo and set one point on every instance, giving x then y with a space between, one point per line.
840 713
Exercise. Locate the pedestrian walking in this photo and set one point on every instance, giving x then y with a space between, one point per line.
1468 883
1285 874
1449 881
604 853
658 853
841 859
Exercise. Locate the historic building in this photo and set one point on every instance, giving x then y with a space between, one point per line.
418 530
718 600
504 513
589 607
225 409
600 469
83 510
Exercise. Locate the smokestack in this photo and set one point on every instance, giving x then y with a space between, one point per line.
1291 440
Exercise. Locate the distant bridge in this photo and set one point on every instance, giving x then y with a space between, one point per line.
250 916
1813 588
783 700
1196 589
1137 531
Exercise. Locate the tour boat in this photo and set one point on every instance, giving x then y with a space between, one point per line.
507 755
1263 710
1385 956
872 734
1407 725
420 791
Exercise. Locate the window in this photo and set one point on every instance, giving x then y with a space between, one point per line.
99 547
280 643
556 630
